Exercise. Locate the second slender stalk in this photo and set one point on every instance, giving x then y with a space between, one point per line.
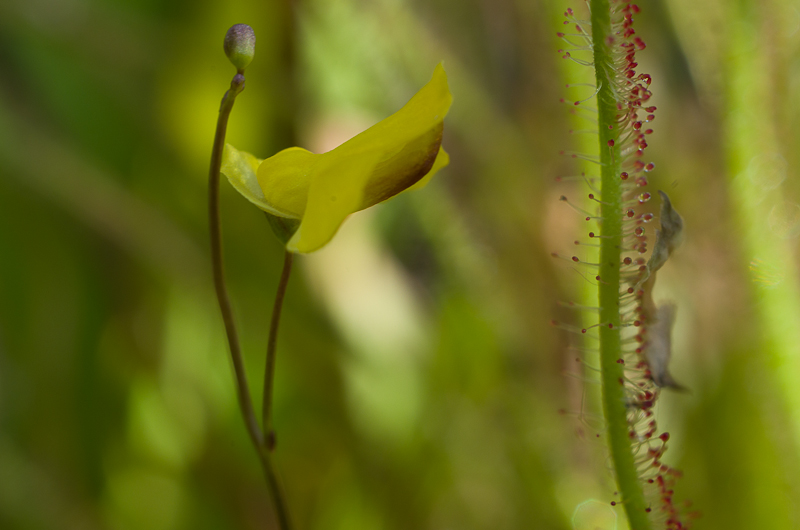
278 497
269 372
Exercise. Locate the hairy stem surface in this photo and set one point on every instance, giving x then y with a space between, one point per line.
614 406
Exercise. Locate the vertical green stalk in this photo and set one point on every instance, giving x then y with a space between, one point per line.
215 231
612 372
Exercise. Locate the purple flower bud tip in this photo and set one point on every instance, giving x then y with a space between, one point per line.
240 45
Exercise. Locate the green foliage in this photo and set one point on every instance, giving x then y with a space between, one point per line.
418 382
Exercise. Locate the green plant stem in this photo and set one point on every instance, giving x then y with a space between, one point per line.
269 377
215 230
269 372
612 373
277 496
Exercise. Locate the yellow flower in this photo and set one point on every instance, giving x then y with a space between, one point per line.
314 193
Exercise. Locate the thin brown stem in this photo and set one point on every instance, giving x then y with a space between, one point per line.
276 490
269 373
245 401
276 493
243 391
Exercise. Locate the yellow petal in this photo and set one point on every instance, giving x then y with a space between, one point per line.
285 179
407 142
240 168
331 199
398 153
442 161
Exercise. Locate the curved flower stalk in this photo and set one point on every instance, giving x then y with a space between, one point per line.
633 333
308 195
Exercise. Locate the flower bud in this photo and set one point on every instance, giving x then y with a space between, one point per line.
240 45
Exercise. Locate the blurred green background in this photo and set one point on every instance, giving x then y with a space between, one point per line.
419 382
